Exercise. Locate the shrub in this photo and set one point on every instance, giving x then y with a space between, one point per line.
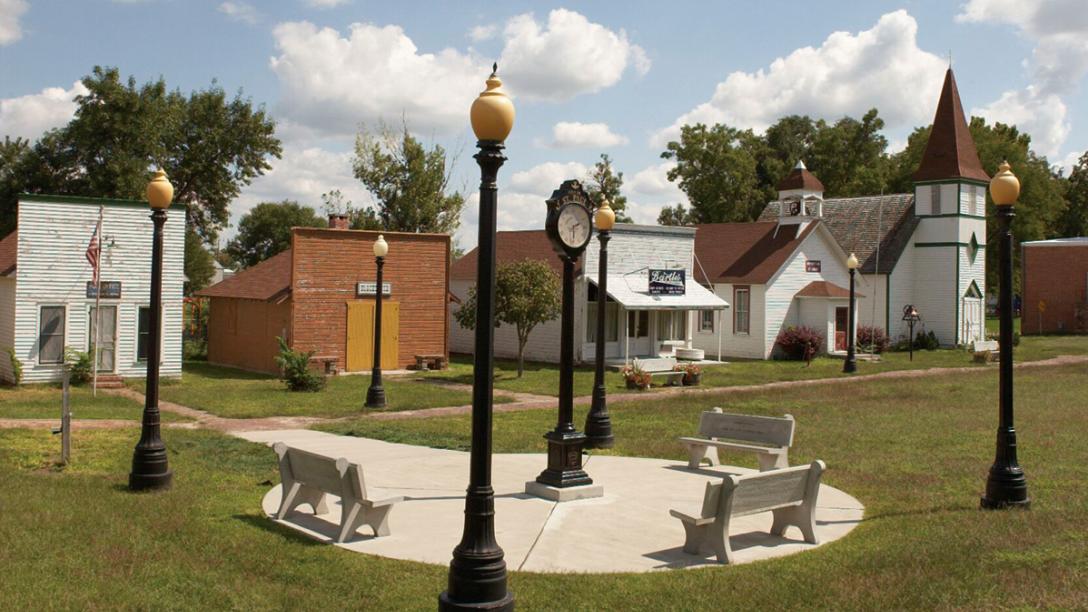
80 365
194 350
636 377
872 339
927 341
295 369
16 366
799 342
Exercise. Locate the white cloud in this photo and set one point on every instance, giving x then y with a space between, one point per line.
567 57
574 135
1041 115
483 32
653 181
1070 161
324 4
10 28
545 178
332 83
240 11
32 115
848 74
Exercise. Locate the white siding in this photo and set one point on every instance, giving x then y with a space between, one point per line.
969 272
935 294
52 269
543 342
745 346
872 308
7 327
636 247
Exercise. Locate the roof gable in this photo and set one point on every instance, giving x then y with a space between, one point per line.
264 281
950 152
745 253
510 247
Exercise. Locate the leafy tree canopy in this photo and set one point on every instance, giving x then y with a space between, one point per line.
605 182
410 184
1074 221
266 230
199 263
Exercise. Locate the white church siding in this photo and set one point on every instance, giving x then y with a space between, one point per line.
872 308
935 291
52 270
752 345
900 292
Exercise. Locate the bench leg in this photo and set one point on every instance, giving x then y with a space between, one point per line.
772 461
378 519
295 494
698 452
694 538
350 520
802 517
718 538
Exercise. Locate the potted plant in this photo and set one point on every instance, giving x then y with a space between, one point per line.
693 374
636 377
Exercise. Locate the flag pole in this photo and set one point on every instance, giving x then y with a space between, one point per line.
97 303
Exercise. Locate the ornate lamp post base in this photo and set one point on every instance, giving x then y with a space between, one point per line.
565 460
375 396
599 426
1006 487
150 471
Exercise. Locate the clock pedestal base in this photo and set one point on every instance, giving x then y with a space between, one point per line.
565 460
563 494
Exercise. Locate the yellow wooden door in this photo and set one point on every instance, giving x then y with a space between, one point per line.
360 335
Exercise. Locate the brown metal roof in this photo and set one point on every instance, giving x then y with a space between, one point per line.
8 253
950 152
511 247
263 281
860 224
745 253
800 178
825 289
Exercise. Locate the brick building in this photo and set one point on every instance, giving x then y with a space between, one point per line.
319 295
1055 274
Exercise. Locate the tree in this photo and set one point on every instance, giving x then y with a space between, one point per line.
527 293
716 170
199 264
408 182
675 215
333 203
210 146
1074 221
603 182
266 230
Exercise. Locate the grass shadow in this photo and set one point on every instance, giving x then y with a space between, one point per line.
267 524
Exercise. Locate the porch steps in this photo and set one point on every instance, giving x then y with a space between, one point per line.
110 381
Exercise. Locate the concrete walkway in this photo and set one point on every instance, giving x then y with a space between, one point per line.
627 530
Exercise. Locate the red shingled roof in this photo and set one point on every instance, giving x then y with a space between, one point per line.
263 281
825 289
745 253
950 152
800 178
8 253
511 247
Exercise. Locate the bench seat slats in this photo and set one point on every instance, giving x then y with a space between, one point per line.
768 437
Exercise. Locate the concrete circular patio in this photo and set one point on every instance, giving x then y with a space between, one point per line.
627 530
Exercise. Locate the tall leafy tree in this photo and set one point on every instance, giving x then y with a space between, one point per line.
675 215
716 169
210 146
410 183
1074 221
606 182
199 263
527 293
266 230
361 218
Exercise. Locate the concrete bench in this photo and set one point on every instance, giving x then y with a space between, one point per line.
992 347
431 362
662 367
329 364
789 493
769 437
307 477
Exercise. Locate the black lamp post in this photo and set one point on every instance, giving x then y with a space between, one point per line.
477 578
375 395
598 423
911 316
150 468
851 364
1006 486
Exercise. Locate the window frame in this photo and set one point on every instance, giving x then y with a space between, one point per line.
136 351
747 310
935 200
703 328
63 333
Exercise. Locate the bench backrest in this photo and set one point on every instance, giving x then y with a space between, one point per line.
985 345
774 431
658 364
762 491
336 476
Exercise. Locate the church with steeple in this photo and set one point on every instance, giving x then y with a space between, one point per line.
924 249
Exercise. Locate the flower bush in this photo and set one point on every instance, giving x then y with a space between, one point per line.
799 342
636 377
871 338
692 372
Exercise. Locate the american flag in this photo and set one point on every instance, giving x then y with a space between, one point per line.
93 251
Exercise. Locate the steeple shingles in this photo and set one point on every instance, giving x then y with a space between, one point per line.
950 152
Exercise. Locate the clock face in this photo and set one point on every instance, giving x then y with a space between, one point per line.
574 226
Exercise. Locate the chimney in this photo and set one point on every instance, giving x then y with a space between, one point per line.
337 221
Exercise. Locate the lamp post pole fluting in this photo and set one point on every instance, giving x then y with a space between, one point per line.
1006 486
598 422
851 364
477 578
150 467
375 394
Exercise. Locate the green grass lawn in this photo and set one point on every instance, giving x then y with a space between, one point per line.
43 402
543 378
915 452
232 393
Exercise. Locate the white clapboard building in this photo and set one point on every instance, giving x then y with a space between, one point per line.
47 296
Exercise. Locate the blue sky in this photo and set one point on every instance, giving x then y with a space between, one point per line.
588 77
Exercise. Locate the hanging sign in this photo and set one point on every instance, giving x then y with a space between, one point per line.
111 290
667 282
370 288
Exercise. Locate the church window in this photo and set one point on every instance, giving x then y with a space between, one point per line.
972 249
935 199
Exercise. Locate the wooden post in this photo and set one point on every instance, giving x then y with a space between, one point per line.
65 423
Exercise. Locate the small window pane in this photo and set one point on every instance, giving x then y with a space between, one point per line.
706 321
51 335
740 306
143 333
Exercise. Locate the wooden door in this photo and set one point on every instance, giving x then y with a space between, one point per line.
107 336
842 323
360 335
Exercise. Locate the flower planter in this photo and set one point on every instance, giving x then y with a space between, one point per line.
690 380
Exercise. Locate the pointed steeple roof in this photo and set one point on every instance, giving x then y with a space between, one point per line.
800 178
950 152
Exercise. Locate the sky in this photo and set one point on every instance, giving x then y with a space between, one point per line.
587 77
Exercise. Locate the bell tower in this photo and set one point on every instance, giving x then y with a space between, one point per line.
950 241
800 197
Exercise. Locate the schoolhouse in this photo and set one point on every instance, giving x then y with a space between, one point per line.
48 288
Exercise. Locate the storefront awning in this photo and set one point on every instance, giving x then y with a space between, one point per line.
632 291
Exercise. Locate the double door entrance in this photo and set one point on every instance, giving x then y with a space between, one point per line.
360 335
